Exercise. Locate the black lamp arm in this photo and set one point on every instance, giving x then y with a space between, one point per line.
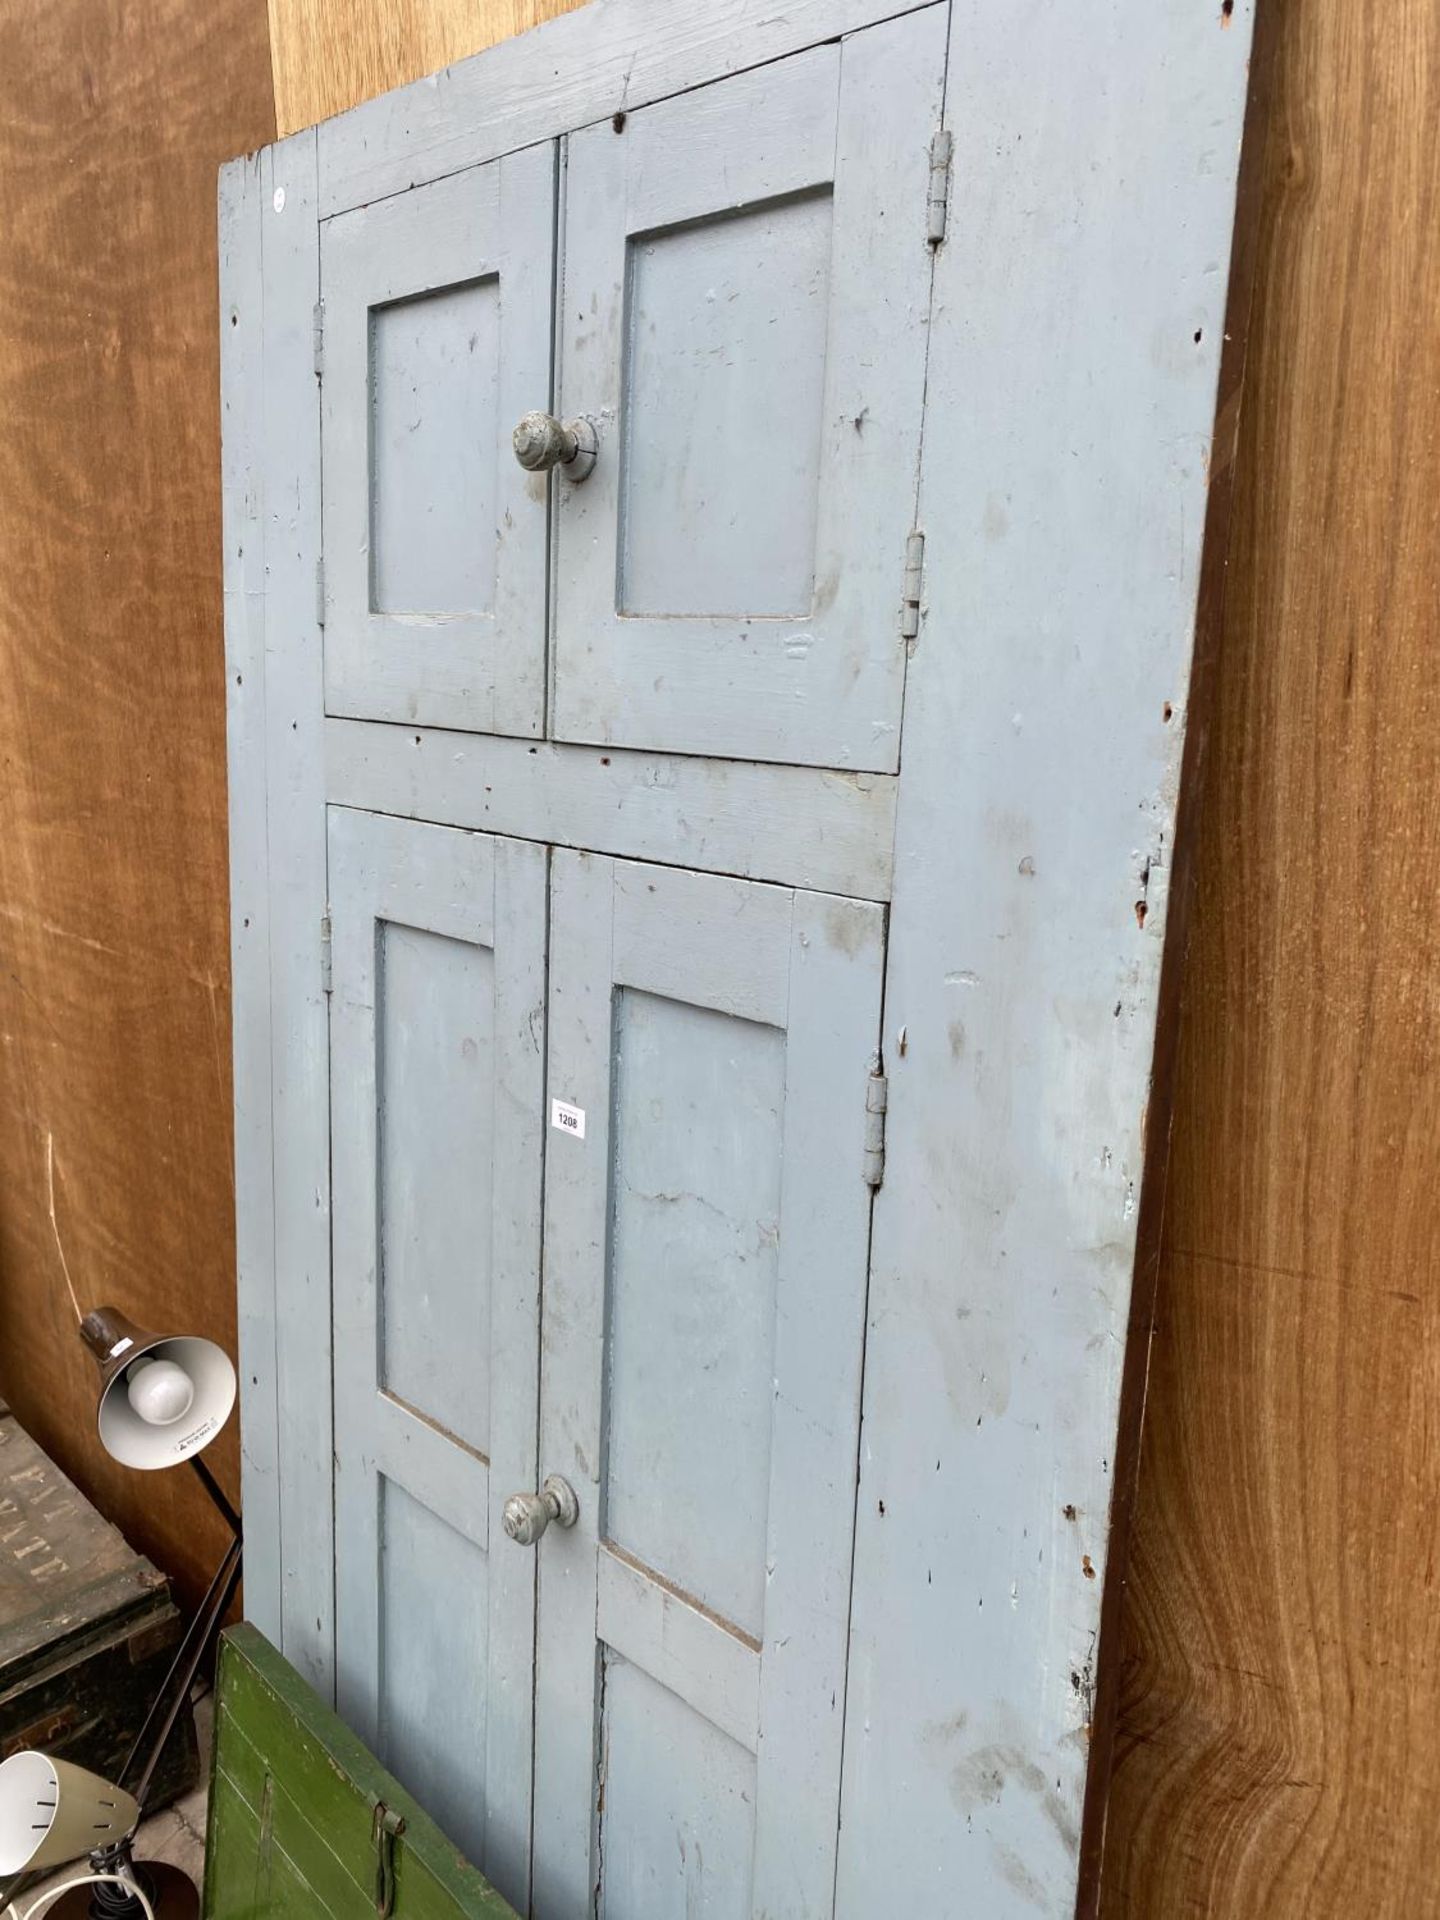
181 1677
216 1492
149 1744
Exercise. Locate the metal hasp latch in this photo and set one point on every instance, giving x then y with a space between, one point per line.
385 1830
527 1515
541 442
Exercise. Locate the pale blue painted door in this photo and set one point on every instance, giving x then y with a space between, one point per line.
437 1012
744 301
434 328
706 1251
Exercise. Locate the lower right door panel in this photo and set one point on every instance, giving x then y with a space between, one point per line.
706 1249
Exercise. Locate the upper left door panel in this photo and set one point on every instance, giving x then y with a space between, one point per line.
436 317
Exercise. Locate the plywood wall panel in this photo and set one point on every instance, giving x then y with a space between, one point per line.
1277 1748
332 54
114 1004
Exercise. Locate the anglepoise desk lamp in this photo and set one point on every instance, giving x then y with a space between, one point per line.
161 1402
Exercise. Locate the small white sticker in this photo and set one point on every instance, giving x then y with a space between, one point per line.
120 1346
568 1119
279 200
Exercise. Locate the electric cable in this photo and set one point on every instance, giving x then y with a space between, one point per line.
83 1880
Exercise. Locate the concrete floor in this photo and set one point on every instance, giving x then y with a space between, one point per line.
176 1835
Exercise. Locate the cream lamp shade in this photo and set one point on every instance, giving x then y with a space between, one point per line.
51 1812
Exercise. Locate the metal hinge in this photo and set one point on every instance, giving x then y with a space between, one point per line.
326 968
320 591
914 584
877 1099
319 324
937 198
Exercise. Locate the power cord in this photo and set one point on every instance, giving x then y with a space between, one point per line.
84 1880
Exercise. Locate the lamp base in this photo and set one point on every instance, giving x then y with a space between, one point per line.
172 1894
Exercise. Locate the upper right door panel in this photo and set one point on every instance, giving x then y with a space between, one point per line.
743 316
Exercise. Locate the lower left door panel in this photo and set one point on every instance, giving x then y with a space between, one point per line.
437 1076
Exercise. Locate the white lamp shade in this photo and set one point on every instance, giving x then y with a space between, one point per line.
134 1441
51 1811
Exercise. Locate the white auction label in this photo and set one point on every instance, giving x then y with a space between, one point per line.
568 1119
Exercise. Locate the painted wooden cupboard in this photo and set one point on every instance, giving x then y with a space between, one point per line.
713 523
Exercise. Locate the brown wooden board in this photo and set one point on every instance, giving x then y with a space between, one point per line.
292 1810
114 1019
1277 1746
331 54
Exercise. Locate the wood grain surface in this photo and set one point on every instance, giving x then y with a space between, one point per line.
1277 1751
331 54
114 1006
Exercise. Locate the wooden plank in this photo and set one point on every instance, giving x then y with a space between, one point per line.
522 909
611 56
678 1643
654 917
579 1042
828 831
1281 1642
113 941
249 1873
837 977
241 404
1044 714
414 1454
299 1294
329 54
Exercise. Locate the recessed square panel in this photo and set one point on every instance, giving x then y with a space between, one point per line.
433 1654
434 376
726 328
695 1238
435 1106
678 1818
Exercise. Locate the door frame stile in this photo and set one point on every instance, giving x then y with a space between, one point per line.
1044 726
295 823
242 389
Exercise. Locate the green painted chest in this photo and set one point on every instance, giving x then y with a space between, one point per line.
305 1822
